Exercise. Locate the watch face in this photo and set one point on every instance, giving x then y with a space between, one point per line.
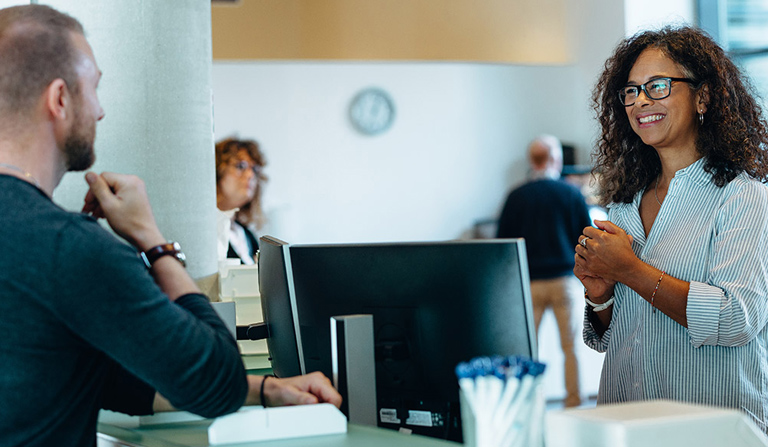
372 111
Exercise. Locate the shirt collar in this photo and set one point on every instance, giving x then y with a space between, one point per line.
695 172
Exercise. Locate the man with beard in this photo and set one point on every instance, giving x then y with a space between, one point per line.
87 324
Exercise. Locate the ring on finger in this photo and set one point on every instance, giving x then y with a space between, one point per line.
583 242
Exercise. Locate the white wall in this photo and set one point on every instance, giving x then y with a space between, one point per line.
455 149
650 14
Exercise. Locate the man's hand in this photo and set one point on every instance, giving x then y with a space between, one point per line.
299 390
122 200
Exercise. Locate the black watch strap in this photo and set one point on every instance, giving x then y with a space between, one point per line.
171 249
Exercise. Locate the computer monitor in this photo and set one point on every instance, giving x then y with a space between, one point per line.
277 304
434 304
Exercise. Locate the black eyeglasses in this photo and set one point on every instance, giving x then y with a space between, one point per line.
658 88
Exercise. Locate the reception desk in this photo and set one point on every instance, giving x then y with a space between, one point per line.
195 434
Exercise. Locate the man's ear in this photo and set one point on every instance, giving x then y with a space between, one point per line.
702 99
58 99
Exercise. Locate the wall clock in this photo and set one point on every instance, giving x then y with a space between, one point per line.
372 111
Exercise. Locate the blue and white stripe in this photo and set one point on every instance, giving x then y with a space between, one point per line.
717 239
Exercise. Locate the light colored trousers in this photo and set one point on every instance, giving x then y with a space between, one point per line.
563 295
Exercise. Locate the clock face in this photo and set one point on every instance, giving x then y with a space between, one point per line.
372 111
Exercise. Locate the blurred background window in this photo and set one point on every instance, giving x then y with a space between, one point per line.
741 28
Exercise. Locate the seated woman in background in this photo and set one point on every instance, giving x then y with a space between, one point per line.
239 165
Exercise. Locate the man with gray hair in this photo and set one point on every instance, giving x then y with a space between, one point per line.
550 214
88 321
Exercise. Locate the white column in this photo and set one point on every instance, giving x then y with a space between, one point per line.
156 91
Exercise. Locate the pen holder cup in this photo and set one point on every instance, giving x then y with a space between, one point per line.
519 425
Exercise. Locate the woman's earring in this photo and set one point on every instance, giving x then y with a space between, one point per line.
701 118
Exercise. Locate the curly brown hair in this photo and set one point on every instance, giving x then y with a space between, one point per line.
732 138
226 151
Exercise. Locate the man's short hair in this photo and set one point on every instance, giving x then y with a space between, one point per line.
35 49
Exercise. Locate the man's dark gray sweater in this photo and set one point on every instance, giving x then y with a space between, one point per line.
85 327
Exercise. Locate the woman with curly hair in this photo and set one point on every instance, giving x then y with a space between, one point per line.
676 280
239 176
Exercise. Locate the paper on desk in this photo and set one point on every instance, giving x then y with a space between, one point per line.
264 424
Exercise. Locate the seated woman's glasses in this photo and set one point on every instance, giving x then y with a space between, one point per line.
243 166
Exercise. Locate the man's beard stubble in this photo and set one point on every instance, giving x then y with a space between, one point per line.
78 147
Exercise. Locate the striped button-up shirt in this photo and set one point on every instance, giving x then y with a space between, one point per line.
717 239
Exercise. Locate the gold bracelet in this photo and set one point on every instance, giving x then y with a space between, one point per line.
653 296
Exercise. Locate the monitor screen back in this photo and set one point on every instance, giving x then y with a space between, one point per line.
434 305
275 288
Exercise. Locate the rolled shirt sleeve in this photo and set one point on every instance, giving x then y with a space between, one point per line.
731 308
591 339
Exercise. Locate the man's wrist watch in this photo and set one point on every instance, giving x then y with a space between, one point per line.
171 249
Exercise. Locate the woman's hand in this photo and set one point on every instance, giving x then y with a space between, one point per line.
604 252
598 289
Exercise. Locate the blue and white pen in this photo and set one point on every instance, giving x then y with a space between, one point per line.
517 416
466 375
516 370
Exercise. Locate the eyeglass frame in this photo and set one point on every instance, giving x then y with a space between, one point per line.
242 166
647 95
